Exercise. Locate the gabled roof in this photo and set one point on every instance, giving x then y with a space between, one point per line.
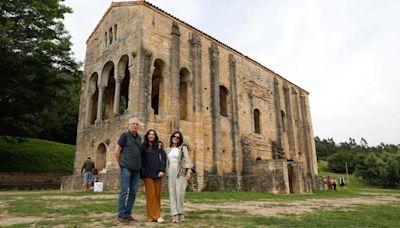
143 2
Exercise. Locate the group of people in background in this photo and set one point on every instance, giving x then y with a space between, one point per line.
149 161
331 183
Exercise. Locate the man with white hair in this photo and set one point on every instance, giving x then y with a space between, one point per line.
128 155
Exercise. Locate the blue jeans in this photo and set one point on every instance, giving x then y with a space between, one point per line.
127 192
87 177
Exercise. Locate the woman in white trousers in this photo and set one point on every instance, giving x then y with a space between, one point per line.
179 171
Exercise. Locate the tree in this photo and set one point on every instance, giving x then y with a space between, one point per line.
337 162
393 173
363 143
35 64
372 169
325 147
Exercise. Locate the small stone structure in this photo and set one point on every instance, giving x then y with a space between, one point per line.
31 180
247 127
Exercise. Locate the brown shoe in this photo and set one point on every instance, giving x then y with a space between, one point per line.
131 219
122 219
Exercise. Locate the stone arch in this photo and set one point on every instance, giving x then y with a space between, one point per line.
223 100
93 93
108 82
124 74
257 125
184 79
101 153
157 84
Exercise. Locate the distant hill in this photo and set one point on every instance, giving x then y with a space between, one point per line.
35 155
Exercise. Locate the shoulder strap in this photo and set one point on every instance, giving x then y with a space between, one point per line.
182 150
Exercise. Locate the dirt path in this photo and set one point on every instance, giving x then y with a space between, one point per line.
261 207
274 208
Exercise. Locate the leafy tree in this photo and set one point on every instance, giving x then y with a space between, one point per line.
392 177
337 162
325 147
372 169
35 64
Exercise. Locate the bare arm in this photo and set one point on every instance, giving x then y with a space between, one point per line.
117 152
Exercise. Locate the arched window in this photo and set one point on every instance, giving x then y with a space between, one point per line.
124 95
257 128
94 98
105 39
110 36
115 32
183 93
223 99
108 96
156 86
283 120
101 157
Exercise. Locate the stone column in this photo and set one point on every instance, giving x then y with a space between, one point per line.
215 109
237 158
133 84
197 77
174 78
144 84
89 104
100 105
117 94
290 134
297 123
196 108
306 135
278 153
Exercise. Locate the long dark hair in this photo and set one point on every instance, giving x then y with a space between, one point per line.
146 142
180 138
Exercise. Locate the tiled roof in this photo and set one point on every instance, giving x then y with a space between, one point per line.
143 2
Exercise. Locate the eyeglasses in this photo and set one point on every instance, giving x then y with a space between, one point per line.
176 137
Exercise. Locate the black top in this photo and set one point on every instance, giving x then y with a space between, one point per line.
154 161
131 151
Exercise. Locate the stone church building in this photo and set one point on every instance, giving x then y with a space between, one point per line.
247 127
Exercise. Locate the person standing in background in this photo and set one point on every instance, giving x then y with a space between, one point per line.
88 167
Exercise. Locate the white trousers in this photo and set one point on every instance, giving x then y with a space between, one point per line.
177 188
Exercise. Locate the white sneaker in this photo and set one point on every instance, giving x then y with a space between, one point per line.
160 220
175 218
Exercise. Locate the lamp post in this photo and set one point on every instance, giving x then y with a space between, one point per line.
347 173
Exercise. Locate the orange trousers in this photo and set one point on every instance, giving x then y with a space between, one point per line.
153 198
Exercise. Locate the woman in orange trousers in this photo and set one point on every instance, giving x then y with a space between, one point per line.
154 162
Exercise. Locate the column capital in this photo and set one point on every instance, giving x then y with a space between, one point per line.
196 39
175 29
232 59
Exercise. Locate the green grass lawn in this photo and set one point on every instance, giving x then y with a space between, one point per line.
35 155
203 209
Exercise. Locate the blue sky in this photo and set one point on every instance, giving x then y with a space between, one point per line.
346 53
